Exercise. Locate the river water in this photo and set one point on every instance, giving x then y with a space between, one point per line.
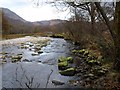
40 70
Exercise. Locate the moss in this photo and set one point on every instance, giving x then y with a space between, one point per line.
57 36
82 51
93 62
62 59
74 51
69 59
68 72
86 53
63 65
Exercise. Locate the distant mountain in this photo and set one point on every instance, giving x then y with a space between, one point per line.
49 22
8 13
12 24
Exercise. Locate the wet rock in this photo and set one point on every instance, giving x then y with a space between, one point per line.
56 82
34 54
37 48
39 52
26 60
17 57
39 61
4 61
43 45
2 56
20 54
4 53
86 53
15 60
68 72
25 46
61 59
93 62
62 65
68 59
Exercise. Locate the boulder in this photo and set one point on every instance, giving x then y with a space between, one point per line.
62 65
69 59
34 54
62 59
68 72
39 52
57 82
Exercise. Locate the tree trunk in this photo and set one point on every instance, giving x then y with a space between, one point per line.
114 33
92 17
117 40
105 18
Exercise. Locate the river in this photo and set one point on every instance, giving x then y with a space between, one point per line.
37 71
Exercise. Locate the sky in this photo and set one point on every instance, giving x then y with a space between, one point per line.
30 12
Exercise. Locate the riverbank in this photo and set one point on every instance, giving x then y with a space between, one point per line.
23 40
40 59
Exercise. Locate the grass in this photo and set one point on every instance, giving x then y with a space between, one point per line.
12 36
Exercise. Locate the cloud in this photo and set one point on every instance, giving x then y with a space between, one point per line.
27 10
35 14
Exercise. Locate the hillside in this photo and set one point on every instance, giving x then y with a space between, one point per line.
14 24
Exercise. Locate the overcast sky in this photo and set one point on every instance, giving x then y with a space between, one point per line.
28 11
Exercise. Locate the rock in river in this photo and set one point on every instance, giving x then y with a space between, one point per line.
56 82
68 72
62 65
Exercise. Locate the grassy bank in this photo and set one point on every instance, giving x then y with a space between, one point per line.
12 36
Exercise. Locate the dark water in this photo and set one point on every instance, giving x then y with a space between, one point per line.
35 73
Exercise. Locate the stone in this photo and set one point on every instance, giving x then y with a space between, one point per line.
16 57
26 60
34 54
86 53
15 60
62 65
39 52
57 82
68 72
82 51
93 62
4 61
62 59
70 59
